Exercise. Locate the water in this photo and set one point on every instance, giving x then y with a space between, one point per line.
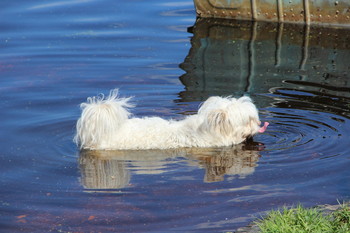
54 55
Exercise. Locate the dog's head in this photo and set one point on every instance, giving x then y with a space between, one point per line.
230 118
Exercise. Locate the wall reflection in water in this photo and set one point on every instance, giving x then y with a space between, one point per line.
235 57
105 170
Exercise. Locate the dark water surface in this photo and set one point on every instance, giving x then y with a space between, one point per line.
55 54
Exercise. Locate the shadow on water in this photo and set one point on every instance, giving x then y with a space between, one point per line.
261 57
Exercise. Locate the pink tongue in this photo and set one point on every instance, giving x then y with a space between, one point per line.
262 129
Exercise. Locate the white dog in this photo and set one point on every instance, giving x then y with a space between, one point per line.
107 124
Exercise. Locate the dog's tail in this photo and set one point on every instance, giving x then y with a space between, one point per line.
101 117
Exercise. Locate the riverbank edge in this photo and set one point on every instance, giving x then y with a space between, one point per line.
326 209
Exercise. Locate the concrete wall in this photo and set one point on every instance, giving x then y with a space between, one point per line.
327 12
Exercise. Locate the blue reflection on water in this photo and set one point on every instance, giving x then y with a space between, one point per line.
54 55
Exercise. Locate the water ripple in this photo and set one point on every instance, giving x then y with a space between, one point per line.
305 123
58 4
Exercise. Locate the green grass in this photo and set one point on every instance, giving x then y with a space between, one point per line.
341 219
302 220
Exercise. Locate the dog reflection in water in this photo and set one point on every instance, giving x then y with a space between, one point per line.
237 161
107 169
107 124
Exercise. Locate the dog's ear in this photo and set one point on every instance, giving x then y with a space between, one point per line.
210 104
245 99
218 122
